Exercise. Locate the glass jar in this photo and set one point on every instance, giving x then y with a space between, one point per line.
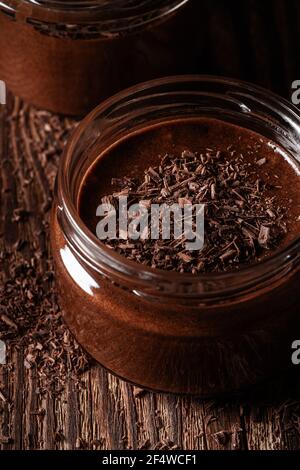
199 334
67 56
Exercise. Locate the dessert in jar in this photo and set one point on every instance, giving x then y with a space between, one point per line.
66 56
203 321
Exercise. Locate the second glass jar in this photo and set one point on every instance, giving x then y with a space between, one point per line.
67 56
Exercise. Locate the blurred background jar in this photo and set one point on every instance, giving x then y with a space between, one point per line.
67 56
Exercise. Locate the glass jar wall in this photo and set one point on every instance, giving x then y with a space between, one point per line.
201 334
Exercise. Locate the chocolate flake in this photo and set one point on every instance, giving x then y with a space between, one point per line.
261 161
242 220
264 236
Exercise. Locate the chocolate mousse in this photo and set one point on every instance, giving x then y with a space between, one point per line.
68 58
249 186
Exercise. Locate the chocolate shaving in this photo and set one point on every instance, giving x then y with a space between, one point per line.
264 236
242 220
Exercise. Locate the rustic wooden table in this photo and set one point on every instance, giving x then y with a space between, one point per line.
89 408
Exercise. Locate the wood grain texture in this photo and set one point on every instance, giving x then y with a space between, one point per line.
97 410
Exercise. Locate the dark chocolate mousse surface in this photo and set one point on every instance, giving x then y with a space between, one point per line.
250 188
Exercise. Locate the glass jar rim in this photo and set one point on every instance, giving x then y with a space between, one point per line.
107 16
109 261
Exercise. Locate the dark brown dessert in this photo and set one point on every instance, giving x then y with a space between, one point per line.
250 189
51 59
204 333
